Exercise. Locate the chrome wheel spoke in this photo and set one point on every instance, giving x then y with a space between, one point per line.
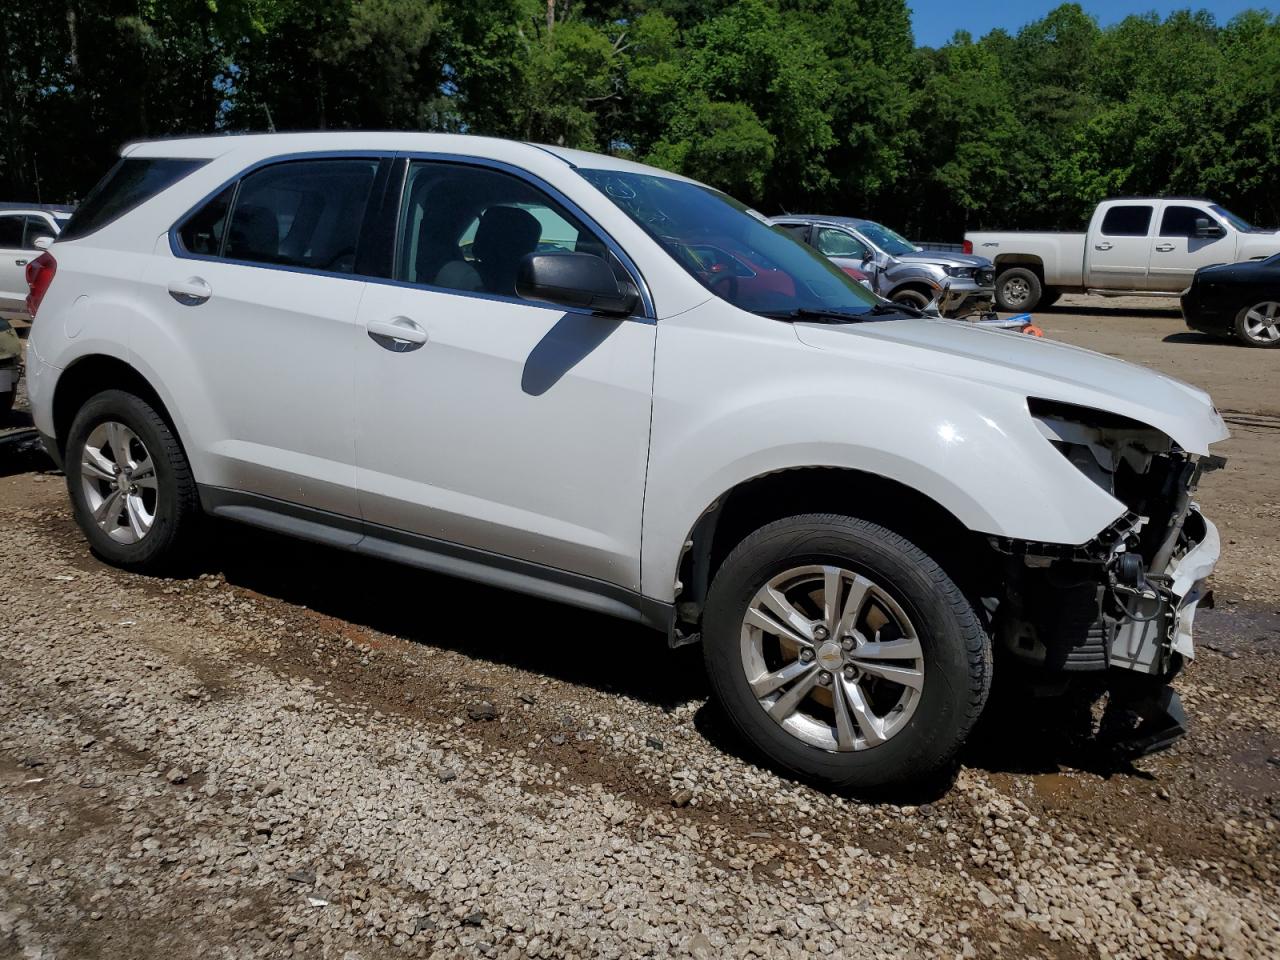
118 437
871 726
781 608
757 619
95 466
107 513
769 683
785 705
139 523
854 604
846 732
907 648
905 676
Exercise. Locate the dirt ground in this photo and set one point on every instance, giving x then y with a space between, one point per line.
298 752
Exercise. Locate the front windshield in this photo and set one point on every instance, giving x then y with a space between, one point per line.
1240 223
886 239
731 250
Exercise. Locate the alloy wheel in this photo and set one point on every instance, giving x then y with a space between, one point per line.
1262 322
832 658
119 481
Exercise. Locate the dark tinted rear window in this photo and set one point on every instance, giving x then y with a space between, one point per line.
131 181
1127 221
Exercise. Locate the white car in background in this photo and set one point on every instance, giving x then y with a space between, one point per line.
1136 246
25 230
518 364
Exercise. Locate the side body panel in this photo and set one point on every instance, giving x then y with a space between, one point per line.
1115 262
1061 255
738 396
516 428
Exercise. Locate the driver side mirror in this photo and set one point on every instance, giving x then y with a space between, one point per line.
42 243
1206 228
575 280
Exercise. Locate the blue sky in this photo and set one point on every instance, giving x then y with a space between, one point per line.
936 20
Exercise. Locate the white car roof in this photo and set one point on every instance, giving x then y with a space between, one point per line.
251 146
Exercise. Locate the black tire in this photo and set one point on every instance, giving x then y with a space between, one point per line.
956 653
164 548
912 297
1048 297
1018 290
6 403
1240 328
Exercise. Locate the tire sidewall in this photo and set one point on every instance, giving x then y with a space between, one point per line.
135 414
938 725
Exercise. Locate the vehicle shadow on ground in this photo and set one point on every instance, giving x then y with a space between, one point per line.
1200 340
1119 312
551 639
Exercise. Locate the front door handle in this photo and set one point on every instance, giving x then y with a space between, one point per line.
1164 247
19 263
1104 245
399 334
190 292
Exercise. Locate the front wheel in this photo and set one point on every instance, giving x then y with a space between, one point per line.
131 486
845 654
912 298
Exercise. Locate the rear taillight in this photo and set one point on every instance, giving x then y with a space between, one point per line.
40 273
968 246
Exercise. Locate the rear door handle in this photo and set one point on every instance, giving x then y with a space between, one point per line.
19 263
190 292
1105 245
1164 247
399 334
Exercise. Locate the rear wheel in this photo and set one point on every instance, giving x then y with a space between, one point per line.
130 484
1049 297
1259 325
845 654
1018 289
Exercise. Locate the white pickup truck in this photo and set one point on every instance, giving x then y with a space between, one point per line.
1145 246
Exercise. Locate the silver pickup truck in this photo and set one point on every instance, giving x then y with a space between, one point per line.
1144 246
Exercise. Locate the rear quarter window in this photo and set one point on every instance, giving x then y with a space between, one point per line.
130 182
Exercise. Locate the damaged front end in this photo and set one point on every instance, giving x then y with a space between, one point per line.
1119 608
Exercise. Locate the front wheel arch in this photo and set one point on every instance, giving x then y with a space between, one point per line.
753 503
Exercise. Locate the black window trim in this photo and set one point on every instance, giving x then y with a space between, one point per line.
380 209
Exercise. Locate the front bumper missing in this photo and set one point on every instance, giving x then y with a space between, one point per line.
1147 645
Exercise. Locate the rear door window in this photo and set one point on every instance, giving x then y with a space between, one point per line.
1129 220
305 213
798 230
130 182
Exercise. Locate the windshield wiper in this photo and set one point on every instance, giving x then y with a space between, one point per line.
815 315
896 309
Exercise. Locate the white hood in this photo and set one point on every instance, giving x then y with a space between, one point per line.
1034 367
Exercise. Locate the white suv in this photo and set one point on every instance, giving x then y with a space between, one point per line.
585 379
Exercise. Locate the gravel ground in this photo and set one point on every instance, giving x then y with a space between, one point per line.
294 751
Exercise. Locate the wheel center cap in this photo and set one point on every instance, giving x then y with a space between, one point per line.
830 656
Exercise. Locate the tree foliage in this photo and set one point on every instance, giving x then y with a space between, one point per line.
818 104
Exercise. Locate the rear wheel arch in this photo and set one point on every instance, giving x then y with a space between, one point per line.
753 503
92 374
